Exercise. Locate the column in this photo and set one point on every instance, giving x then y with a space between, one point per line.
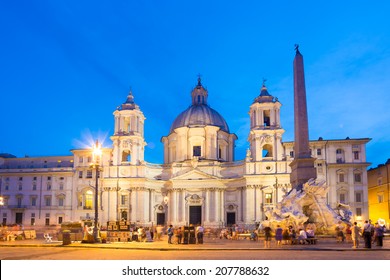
217 205
222 207
207 206
134 205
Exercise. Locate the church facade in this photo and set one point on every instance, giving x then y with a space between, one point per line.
199 181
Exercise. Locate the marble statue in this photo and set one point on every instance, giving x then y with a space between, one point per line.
306 205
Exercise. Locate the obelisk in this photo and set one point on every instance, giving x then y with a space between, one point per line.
302 167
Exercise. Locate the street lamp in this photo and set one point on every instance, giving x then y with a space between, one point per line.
166 200
96 159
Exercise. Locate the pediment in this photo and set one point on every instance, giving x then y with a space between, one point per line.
194 174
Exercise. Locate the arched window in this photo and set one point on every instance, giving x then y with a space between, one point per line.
126 156
267 151
88 199
267 118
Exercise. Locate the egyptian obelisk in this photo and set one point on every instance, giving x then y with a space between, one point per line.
302 167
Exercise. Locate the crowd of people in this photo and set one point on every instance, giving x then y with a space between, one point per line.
305 234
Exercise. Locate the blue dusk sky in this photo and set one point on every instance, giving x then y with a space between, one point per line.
67 65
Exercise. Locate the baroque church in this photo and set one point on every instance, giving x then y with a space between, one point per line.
199 182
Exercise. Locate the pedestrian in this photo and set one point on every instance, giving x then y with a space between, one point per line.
293 235
278 235
340 234
367 232
302 237
170 234
286 236
179 235
348 234
267 236
355 235
379 233
199 234
159 231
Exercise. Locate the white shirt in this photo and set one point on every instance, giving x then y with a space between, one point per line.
302 234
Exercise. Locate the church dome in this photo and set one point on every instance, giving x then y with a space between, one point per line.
199 113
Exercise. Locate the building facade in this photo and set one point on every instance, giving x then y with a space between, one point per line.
379 193
199 182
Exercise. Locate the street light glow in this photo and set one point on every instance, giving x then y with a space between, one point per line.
97 152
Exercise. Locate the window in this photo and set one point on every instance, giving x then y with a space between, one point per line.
124 199
340 156
88 199
80 159
32 219
80 174
356 155
35 178
49 178
318 152
319 168
341 178
358 211
342 198
291 153
89 159
61 201
48 186
4 219
268 198
358 197
33 201
19 201
60 220
34 187
267 150
196 151
20 187
267 118
380 197
61 186
47 200
89 173
47 219
20 178
358 177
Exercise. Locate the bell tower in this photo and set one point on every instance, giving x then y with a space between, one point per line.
128 139
265 135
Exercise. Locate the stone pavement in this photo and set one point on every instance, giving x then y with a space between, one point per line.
323 244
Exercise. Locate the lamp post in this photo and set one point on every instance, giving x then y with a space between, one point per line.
166 200
96 159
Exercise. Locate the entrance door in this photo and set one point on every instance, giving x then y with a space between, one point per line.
230 218
161 218
19 218
195 215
